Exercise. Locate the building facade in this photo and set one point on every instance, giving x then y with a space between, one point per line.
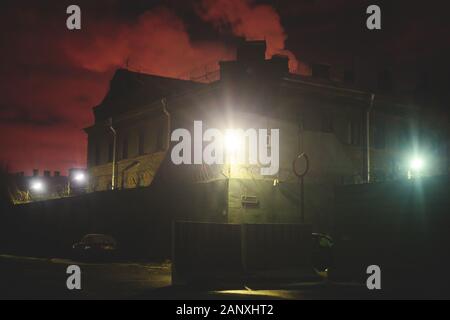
349 135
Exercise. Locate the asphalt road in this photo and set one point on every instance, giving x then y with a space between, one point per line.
37 278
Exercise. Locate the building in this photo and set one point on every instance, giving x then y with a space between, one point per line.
47 186
350 135
38 186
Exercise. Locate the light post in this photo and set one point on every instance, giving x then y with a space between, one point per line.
114 155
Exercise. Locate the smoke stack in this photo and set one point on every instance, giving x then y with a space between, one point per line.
250 51
57 174
35 172
281 63
321 71
47 173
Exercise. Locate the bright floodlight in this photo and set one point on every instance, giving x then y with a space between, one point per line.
416 164
37 186
79 177
232 141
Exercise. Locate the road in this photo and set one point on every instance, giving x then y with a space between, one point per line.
35 278
38 278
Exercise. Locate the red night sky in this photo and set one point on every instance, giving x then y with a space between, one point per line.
52 77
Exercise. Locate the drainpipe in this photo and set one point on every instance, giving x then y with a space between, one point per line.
166 112
367 151
114 164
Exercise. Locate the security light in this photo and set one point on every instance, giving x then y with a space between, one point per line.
37 186
80 177
416 164
232 141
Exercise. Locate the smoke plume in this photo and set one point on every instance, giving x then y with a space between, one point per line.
253 22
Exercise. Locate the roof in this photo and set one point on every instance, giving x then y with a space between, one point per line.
132 90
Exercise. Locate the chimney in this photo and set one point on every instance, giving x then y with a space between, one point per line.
281 63
57 174
321 71
250 51
47 173
35 172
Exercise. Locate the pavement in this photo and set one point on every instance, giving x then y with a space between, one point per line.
40 278
37 278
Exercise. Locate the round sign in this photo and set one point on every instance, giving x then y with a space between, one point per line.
305 171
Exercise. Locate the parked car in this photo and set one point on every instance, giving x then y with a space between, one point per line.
322 251
95 247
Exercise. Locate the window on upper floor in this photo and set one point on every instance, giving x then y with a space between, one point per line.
160 138
311 121
354 133
379 135
125 147
141 142
97 154
111 152
327 122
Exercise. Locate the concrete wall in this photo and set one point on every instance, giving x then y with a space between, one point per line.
139 219
401 226
281 203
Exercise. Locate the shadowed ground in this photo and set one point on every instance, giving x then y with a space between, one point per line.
36 278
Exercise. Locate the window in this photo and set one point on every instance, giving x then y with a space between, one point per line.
125 148
160 138
312 121
379 135
354 133
327 123
97 154
402 135
141 142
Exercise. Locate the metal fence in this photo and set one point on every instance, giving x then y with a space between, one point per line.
210 251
